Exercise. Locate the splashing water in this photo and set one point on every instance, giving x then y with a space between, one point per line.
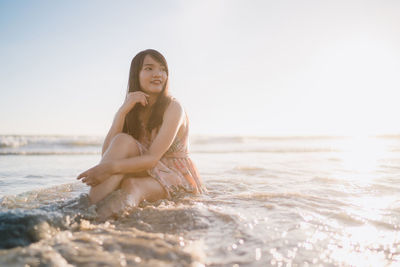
271 201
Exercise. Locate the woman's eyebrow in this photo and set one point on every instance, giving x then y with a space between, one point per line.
150 64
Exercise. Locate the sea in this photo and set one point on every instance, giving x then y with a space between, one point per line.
270 201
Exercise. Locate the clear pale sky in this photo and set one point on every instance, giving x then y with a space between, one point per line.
238 67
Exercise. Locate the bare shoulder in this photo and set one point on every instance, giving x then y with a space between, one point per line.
174 109
175 117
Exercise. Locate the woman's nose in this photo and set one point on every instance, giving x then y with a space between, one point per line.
157 73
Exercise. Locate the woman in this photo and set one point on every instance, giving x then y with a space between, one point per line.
145 153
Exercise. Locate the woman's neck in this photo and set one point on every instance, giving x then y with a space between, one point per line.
151 101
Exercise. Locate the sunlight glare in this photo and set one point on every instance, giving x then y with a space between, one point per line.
361 154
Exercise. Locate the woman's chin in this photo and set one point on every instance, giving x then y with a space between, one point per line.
154 91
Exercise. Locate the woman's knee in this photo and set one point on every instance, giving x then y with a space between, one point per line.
125 144
123 138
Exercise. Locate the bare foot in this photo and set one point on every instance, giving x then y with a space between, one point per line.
115 204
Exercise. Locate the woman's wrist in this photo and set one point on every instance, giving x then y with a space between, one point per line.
122 112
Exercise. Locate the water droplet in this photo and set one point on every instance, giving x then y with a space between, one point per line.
258 254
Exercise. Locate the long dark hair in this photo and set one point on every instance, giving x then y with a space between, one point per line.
132 124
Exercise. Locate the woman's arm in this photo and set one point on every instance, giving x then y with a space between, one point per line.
172 121
118 123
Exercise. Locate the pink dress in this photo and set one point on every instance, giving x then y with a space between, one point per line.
175 171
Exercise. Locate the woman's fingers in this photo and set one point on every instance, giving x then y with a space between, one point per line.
85 177
141 93
80 176
137 93
136 97
87 180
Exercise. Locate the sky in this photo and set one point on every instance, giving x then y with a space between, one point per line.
238 67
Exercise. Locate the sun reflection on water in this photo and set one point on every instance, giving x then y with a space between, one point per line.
375 241
365 246
361 154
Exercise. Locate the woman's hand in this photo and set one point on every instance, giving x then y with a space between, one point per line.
132 99
97 174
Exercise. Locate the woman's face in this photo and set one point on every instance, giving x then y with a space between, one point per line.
152 76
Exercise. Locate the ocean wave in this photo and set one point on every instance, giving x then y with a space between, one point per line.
23 227
23 222
250 169
17 141
209 139
151 234
221 228
193 151
47 153
264 150
80 145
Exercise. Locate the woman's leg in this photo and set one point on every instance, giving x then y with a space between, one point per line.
121 146
133 191
143 188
